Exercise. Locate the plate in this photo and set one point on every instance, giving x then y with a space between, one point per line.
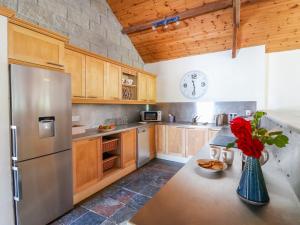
106 130
212 166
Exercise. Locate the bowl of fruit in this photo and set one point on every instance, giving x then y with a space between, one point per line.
105 128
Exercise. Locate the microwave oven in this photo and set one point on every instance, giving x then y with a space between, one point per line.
151 116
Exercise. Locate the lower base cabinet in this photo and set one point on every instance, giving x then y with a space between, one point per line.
152 141
175 141
87 159
195 139
128 149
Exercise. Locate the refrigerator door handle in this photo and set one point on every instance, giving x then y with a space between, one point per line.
14 143
17 184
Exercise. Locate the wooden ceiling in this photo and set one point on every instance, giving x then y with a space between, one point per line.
275 23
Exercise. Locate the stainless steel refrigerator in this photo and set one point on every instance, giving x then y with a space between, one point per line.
41 144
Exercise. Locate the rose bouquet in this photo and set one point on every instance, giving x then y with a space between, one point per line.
251 138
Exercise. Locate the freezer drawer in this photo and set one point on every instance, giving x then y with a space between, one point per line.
44 188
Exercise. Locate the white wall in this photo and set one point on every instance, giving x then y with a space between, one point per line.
240 79
6 203
283 80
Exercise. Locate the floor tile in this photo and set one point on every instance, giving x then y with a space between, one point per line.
104 206
138 201
123 196
149 190
71 216
123 215
108 222
89 219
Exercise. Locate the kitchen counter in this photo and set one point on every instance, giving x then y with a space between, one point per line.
195 197
93 133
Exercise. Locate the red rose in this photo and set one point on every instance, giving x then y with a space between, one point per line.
241 127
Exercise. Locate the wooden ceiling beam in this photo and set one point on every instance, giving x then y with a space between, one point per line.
191 13
236 25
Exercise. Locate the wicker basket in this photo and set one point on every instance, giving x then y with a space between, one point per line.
110 145
109 163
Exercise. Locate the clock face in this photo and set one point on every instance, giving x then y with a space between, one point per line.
194 84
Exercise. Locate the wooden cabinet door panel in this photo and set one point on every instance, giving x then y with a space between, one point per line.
160 137
75 65
152 141
196 138
113 82
95 72
142 87
32 47
86 163
175 140
128 140
151 88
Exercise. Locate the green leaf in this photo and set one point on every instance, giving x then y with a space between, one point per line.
262 131
275 133
230 145
281 141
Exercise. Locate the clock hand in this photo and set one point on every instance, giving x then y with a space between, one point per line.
194 88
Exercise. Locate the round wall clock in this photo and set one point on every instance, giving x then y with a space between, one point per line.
194 84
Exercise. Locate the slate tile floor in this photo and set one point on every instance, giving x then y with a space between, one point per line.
117 203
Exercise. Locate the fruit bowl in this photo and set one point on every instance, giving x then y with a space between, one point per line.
105 128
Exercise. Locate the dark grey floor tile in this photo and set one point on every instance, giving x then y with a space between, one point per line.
123 195
137 185
108 222
89 219
123 215
149 190
70 217
138 201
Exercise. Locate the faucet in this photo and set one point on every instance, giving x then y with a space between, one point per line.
195 119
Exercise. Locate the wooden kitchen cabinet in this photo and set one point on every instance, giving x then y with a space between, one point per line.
113 82
195 139
87 160
152 141
160 138
175 141
30 46
151 88
95 73
142 87
128 148
75 65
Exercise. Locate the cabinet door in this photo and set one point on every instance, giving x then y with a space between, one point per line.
75 65
160 137
113 84
32 47
151 88
128 140
196 138
212 133
142 87
95 72
152 141
175 141
87 157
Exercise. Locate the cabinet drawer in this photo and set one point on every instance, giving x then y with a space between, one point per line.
32 47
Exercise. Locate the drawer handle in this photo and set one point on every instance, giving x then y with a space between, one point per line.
55 64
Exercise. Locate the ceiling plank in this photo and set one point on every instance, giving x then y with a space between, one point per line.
236 25
191 13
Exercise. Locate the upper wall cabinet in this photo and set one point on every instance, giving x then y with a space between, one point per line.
95 73
75 65
30 46
113 83
146 87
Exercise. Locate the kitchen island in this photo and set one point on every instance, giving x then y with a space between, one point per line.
194 197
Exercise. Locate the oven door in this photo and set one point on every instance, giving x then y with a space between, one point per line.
150 116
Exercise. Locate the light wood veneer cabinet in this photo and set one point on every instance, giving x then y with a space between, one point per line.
87 163
32 47
146 87
175 141
160 138
195 139
128 148
75 66
152 141
113 85
95 73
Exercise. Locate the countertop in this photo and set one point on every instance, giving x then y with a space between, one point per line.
195 197
93 133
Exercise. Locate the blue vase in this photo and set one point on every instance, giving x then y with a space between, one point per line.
252 188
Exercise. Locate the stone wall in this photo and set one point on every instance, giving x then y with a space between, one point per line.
90 24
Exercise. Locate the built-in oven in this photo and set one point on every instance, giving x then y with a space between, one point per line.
151 116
